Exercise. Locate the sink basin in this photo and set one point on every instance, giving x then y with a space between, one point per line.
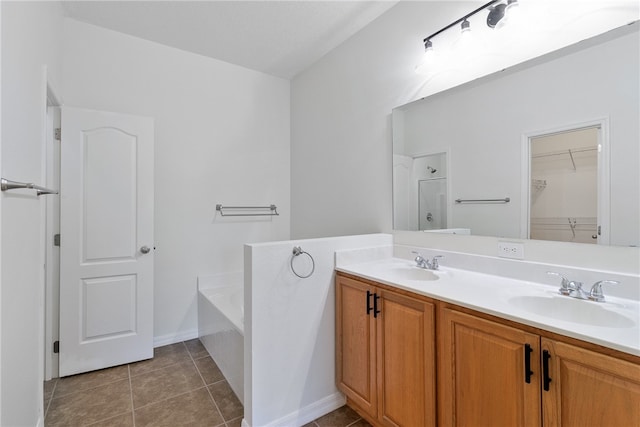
572 310
413 273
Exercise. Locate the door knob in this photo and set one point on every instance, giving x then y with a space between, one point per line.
145 249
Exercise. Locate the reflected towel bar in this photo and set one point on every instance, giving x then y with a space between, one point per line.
505 200
270 210
6 184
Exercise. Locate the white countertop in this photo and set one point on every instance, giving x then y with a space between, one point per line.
503 297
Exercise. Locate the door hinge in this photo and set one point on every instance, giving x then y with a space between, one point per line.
57 134
56 347
56 240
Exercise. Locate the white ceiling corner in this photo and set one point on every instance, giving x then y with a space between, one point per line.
281 38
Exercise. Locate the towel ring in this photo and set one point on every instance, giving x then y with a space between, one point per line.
297 250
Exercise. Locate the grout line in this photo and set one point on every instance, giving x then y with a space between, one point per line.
217 407
84 390
202 377
68 395
155 370
176 395
209 391
349 425
187 349
170 397
170 365
207 387
193 361
46 410
93 387
196 366
235 419
133 409
160 367
54 387
106 419
202 357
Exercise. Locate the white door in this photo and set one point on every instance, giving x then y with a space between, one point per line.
106 251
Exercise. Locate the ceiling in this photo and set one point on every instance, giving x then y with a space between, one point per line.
281 38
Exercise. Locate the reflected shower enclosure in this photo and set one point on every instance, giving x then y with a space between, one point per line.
432 204
421 191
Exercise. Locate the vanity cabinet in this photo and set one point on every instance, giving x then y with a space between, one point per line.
482 373
496 374
589 388
490 371
385 353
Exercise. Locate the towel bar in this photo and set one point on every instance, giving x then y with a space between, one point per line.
270 210
505 200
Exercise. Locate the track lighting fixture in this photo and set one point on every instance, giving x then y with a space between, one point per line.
496 14
465 27
513 10
498 11
428 46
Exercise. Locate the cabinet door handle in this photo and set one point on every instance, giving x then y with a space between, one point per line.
527 363
369 295
545 370
376 297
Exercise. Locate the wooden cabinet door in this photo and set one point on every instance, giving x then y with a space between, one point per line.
482 373
355 344
589 389
406 361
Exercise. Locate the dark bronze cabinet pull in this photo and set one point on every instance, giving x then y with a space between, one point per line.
527 363
545 370
376 297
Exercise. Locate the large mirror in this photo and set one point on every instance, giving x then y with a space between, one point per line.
549 149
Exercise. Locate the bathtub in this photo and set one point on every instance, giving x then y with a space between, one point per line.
221 325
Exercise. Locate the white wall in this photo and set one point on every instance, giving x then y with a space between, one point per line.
222 136
31 39
341 106
290 330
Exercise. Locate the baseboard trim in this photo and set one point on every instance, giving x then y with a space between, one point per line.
308 413
174 338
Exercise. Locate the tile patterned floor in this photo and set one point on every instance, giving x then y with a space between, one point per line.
180 386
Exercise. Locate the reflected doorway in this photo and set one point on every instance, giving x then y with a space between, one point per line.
565 181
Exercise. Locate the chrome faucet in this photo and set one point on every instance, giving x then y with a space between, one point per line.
578 292
570 288
596 293
422 262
